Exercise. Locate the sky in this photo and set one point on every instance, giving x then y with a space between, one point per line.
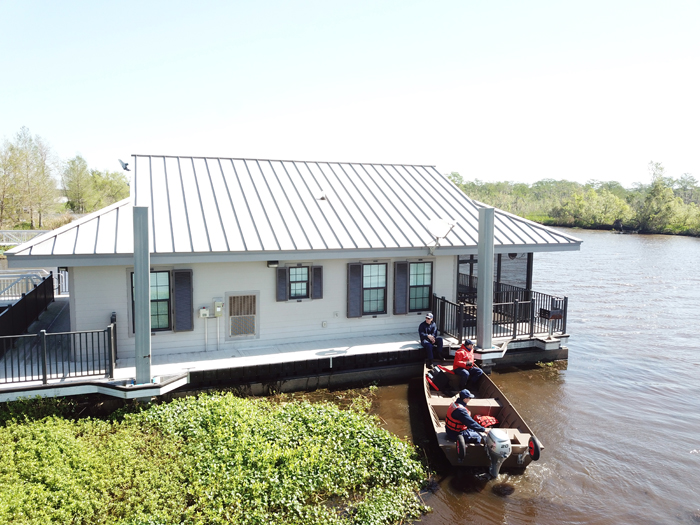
496 91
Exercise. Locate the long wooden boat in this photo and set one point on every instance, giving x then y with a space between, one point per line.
488 401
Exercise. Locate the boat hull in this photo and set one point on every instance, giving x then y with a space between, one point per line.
489 401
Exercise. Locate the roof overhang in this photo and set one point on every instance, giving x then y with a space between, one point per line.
127 259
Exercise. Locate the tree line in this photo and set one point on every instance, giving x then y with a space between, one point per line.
666 205
40 191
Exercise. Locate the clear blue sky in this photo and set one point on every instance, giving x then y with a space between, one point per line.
506 90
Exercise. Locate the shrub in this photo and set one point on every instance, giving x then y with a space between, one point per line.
212 459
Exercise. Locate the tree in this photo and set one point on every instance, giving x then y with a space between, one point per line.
27 188
110 187
78 185
660 211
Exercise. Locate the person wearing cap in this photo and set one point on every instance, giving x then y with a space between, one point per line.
464 365
428 334
459 420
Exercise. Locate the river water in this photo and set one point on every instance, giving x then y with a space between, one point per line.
621 423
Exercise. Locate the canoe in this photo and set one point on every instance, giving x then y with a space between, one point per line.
488 401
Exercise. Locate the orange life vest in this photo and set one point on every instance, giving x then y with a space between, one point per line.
464 358
452 423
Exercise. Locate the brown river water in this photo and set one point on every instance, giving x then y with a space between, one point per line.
621 422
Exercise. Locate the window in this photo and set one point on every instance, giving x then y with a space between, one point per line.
242 311
373 289
413 286
171 301
420 286
160 301
366 289
295 283
299 283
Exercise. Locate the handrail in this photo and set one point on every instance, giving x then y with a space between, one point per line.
17 237
18 316
511 319
56 356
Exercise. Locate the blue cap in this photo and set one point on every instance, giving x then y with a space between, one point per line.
465 393
468 342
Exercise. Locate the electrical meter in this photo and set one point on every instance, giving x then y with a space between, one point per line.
218 308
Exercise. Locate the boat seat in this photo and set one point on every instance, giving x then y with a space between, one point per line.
516 437
443 441
482 407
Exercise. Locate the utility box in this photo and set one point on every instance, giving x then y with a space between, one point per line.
204 311
218 308
551 314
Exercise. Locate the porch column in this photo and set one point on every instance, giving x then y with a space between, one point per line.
142 299
484 289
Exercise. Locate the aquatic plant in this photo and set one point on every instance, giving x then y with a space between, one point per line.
215 458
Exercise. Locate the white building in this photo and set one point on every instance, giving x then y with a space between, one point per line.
291 251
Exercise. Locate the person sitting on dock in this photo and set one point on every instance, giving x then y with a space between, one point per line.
429 339
459 420
464 365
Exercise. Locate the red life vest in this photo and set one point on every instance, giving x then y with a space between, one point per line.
452 423
464 358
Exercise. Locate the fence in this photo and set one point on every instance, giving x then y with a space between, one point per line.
17 237
17 317
44 356
510 319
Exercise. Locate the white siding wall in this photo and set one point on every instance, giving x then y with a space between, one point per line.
96 292
99 291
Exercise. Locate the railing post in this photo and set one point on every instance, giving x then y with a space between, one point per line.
24 311
110 351
460 322
566 311
441 314
44 373
515 319
532 318
113 320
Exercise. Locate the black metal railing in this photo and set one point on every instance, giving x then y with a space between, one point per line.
17 317
510 319
45 356
530 303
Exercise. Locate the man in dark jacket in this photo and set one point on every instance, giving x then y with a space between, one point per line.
459 420
428 334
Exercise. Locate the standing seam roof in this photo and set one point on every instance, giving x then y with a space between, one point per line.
236 205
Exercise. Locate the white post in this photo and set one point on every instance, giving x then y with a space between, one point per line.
484 289
142 296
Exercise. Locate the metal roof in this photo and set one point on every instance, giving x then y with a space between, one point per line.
206 209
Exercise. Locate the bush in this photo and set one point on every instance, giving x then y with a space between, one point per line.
212 459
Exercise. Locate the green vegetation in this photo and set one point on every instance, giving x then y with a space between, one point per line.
30 197
667 205
213 459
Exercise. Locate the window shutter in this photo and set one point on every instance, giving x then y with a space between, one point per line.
183 316
400 288
282 284
317 282
354 290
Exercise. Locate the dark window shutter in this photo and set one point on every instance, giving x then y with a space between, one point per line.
182 298
282 284
354 290
400 288
317 282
